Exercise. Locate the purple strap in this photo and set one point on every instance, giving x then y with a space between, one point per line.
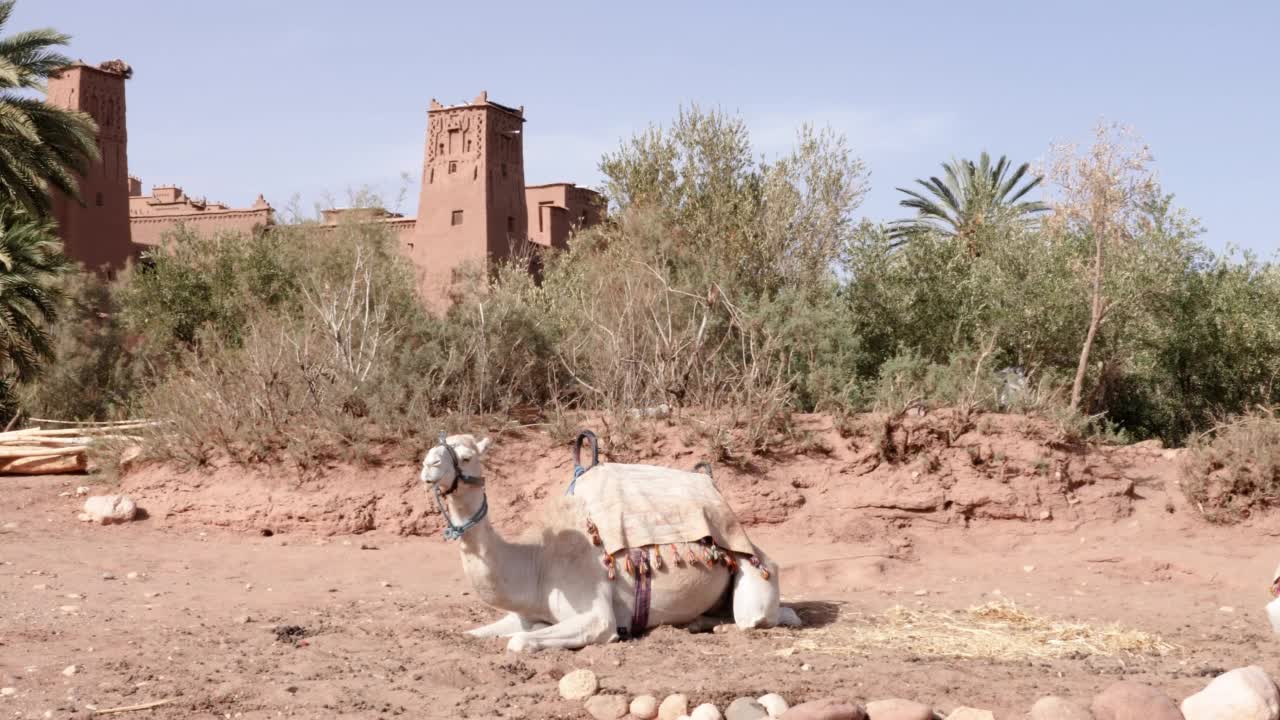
644 579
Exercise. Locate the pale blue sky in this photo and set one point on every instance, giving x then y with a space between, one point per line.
236 97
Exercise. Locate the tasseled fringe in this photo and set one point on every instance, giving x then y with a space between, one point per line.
650 557
755 562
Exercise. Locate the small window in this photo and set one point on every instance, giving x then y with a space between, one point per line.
468 146
511 224
504 169
410 245
441 148
99 199
453 167
456 219
431 177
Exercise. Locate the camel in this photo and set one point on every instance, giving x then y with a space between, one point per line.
553 585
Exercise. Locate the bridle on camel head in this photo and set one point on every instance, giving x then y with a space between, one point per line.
452 531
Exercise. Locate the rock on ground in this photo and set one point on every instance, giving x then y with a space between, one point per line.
968 713
673 706
107 509
828 709
705 711
1241 694
644 707
606 707
774 703
745 709
579 685
898 709
1128 700
1053 707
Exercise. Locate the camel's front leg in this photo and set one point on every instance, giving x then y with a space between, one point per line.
509 625
594 627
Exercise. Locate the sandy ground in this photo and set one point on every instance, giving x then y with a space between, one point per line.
174 608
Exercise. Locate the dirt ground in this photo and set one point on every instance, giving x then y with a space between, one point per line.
192 603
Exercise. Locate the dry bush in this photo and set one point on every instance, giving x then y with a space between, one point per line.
1233 470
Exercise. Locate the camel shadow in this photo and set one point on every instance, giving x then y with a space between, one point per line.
816 613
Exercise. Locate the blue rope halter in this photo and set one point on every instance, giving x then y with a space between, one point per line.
452 531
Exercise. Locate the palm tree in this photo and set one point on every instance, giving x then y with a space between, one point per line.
31 262
971 197
42 147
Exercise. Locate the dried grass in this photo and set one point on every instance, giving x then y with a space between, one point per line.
997 631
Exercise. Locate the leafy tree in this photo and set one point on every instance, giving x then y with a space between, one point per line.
1108 201
42 147
971 197
31 264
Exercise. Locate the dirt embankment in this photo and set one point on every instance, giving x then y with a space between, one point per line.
847 485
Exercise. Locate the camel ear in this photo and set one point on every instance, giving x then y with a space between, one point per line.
483 445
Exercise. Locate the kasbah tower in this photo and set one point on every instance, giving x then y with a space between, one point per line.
95 231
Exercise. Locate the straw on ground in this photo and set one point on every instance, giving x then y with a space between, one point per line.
994 631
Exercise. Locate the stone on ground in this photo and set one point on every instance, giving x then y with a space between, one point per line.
673 707
107 509
579 685
1128 700
1053 707
968 713
1241 694
745 709
606 707
898 709
828 709
774 703
706 711
644 707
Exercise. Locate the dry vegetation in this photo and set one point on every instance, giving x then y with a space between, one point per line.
1233 469
998 631
734 290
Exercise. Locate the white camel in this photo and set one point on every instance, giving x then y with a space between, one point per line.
553 585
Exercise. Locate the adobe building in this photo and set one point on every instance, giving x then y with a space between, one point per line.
474 208
114 222
152 216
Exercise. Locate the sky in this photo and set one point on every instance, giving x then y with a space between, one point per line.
308 100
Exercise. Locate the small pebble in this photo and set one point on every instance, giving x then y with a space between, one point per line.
150 595
108 576
70 608
921 593
774 703
385 584
806 667
1226 609
243 619
579 685
69 670
73 596
1028 568
644 707
7 691
706 711
41 586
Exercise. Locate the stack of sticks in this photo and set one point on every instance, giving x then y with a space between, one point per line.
64 448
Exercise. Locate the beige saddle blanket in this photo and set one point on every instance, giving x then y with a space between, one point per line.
637 505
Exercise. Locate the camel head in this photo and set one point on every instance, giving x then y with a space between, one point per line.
441 467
